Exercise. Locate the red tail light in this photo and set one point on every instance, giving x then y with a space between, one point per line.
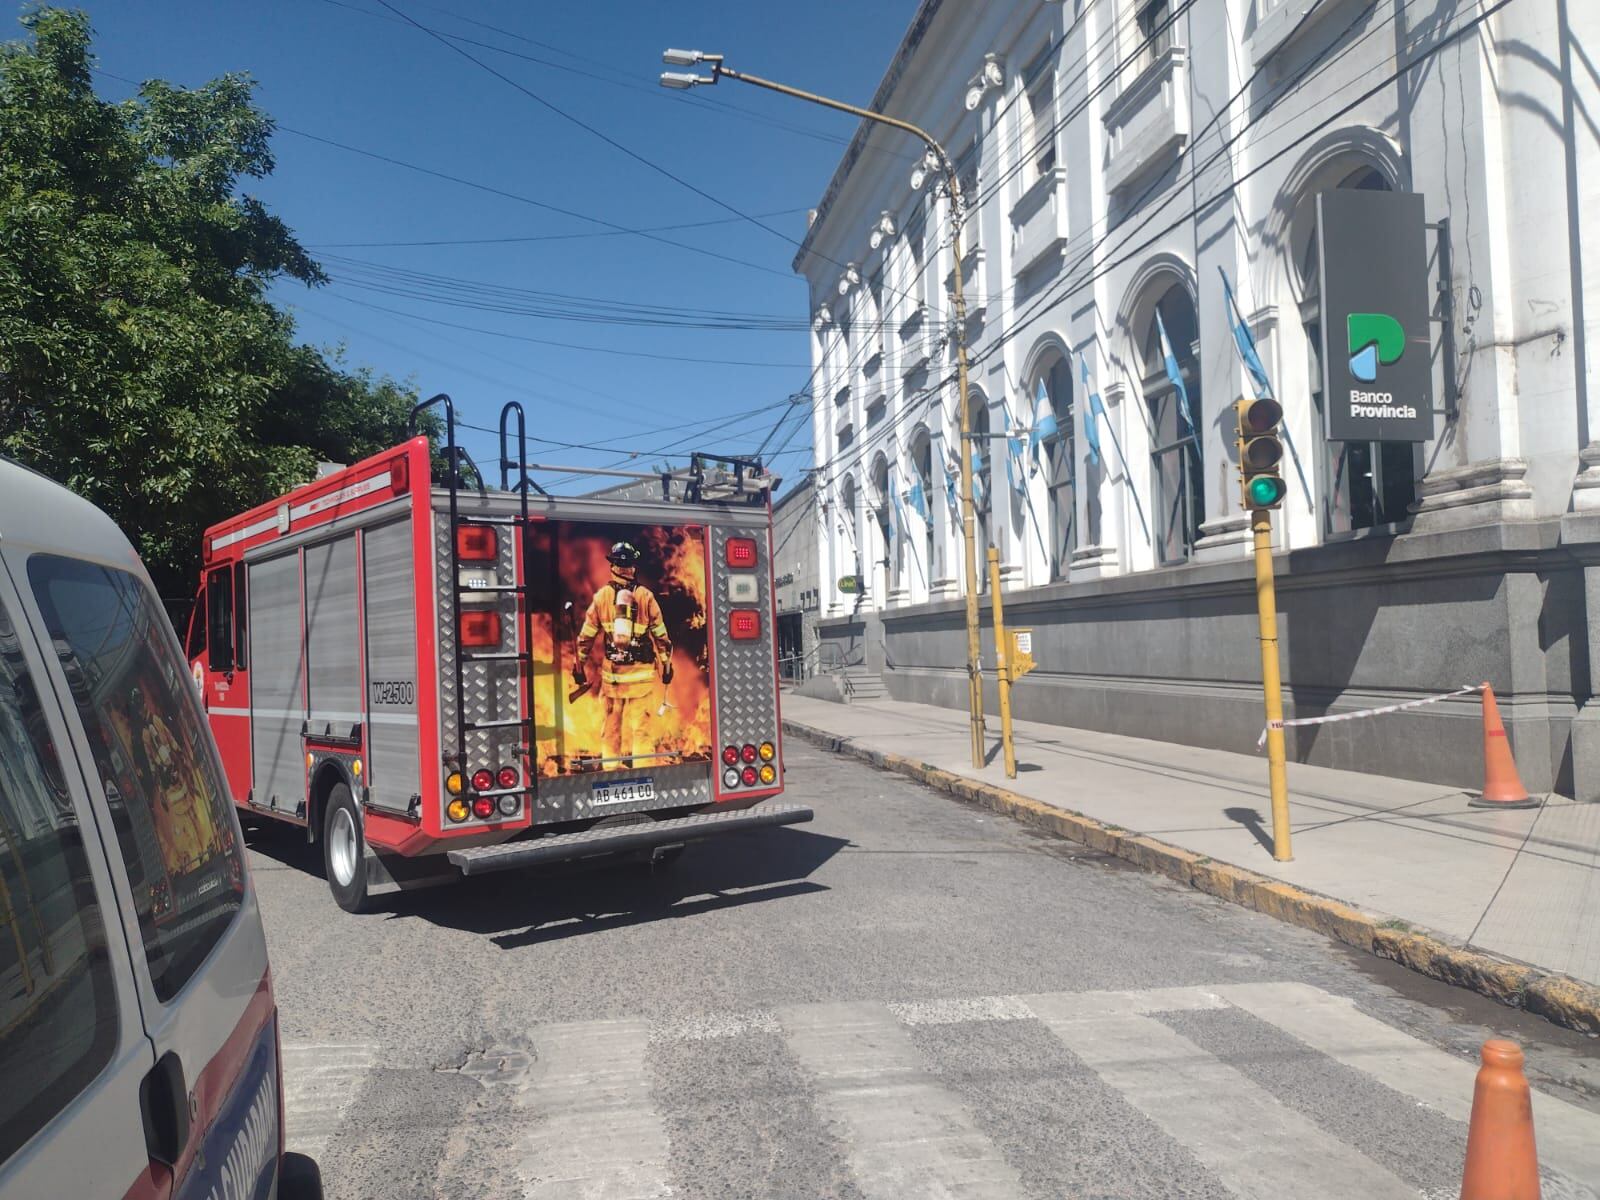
477 543
508 777
483 807
740 552
400 475
482 781
730 755
748 776
748 753
744 624
480 627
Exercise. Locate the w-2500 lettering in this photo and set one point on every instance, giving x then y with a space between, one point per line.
393 691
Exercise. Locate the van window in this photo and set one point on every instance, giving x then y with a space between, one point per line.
58 1016
219 618
174 820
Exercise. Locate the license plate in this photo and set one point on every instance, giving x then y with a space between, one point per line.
623 791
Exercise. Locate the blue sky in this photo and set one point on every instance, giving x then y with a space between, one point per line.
351 72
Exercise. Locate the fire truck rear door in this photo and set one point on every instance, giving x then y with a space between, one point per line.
394 768
277 695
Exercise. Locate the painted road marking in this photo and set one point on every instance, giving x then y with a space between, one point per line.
1568 1136
596 1135
1257 1146
908 1136
320 1082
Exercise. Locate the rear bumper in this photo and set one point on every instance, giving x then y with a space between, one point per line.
592 843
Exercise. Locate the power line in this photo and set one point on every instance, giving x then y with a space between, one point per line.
529 200
517 337
548 237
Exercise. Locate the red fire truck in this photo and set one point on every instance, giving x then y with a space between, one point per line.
437 678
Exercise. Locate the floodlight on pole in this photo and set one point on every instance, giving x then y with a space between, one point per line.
682 80
681 58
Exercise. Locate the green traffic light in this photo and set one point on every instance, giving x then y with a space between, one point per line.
1265 491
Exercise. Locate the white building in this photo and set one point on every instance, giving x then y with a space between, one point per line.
1119 158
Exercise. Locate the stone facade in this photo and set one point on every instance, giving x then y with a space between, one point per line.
1121 157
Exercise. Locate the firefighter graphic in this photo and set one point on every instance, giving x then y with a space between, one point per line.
626 616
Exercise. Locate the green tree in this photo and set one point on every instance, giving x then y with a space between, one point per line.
141 362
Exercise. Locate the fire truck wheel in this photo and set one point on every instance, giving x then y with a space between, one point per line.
343 850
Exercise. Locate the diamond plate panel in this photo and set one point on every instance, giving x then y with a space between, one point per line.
745 672
493 689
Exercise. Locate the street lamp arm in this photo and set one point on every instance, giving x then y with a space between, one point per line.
865 114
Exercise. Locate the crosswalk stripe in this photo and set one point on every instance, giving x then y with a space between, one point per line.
1568 1137
597 1136
908 1136
320 1082
1255 1145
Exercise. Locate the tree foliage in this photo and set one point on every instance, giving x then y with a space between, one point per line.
141 362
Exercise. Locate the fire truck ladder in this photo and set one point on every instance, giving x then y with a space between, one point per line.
523 655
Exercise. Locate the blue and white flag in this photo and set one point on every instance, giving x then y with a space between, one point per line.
898 519
950 496
1174 374
1091 426
1013 449
918 498
1246 343
977 479
1044 424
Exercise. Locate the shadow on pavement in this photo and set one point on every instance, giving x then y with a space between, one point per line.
529 907
1251 820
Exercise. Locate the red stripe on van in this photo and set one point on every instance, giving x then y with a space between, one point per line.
211 1088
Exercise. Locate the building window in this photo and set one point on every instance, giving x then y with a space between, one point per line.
879 317
846 436
876 411
1362 484
1177 485
922 468
983 504
1040 84
1153 23
1060 467
883 512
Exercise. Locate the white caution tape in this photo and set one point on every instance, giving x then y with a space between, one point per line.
1367 712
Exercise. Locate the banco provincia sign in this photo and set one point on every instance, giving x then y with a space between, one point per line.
1377 370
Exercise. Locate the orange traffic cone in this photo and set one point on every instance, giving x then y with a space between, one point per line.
1502 1163
1502 786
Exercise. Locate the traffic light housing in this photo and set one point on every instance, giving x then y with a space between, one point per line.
1260 453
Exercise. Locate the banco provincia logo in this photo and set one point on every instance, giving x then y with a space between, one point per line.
1376 339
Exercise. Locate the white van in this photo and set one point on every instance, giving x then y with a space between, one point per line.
138 1032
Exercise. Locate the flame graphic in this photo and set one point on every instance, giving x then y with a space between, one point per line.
567 565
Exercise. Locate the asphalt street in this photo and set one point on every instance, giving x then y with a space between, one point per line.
907 997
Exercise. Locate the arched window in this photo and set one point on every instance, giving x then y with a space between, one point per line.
922 474
982 484
848 524
1060 463
887 520
1177 485
1362 484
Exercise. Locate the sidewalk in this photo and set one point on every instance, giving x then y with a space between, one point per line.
1524 884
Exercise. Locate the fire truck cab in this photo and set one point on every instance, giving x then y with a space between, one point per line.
389 657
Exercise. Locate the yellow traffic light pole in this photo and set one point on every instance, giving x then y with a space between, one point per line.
1271 682
1262 489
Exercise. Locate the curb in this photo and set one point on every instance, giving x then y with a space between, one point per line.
1558 998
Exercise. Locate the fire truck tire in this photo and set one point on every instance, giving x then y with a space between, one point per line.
344 850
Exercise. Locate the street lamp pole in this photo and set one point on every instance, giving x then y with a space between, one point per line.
969 535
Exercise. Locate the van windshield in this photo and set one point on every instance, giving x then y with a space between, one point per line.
172 814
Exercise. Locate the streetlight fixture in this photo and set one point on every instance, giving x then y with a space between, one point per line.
934 160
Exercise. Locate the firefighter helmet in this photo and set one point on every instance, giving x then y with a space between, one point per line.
623 554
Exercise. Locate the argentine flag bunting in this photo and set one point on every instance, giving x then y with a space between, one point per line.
1175 375
1091 426
919 500
1246 344
1044 424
